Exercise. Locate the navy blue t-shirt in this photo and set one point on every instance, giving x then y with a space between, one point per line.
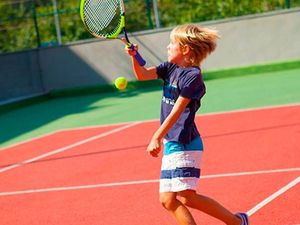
185 82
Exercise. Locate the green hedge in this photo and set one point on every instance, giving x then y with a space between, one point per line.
30 24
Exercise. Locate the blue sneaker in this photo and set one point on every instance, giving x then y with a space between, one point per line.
244 218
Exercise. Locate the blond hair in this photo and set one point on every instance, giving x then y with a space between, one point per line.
201 40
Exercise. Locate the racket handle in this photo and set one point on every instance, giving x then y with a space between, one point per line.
140 59
137 56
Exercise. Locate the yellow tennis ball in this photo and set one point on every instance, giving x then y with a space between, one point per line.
121 83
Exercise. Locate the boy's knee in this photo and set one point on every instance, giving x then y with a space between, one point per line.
168 201
186 197
184 200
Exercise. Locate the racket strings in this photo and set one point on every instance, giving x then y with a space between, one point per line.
102 17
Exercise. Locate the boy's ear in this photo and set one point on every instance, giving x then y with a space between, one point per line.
185 49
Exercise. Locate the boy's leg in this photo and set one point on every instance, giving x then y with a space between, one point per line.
209 206
177 209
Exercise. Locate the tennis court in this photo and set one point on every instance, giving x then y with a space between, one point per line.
101 174
73 147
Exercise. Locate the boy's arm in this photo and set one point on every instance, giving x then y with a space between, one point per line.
155 144
141 72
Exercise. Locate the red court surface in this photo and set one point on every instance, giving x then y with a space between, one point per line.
103 176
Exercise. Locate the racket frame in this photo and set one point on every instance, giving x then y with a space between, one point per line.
115 35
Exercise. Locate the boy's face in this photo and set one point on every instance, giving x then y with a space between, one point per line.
175 52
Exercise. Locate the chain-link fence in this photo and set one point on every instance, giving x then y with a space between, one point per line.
26 24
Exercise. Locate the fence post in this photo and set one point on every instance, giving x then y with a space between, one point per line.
156 14
148 9
56 21
36 27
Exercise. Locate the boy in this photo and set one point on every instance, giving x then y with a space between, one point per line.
182 91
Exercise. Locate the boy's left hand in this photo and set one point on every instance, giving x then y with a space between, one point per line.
154 147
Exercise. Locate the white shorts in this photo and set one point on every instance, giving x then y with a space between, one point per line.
181 166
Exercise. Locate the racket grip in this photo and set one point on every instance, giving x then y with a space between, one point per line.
140 59
137 56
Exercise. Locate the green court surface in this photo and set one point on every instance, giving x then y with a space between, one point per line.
224 94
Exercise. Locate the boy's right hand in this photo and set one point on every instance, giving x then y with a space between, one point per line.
130 50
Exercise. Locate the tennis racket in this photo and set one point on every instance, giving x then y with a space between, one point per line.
105 19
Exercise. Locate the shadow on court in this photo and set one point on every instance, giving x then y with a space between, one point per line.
67 110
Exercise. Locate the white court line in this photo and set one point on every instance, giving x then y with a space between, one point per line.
151 120
69 188
273 196
67 147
